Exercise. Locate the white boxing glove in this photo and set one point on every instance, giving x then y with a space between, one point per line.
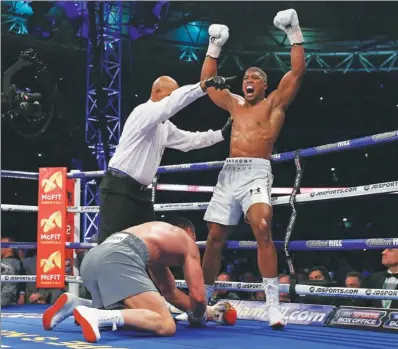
222 313
288 22
218 36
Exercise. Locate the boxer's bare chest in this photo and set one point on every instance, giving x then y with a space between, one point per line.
260 119
255 129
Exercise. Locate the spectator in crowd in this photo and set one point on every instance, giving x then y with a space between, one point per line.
283 280
318 273
21 254
259 296
21 287
353 280
10 265
387 279
224 294
248 277
302 275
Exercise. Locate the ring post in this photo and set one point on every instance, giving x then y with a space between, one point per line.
74 287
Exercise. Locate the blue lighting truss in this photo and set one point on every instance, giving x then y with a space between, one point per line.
324 62
271 52
111 60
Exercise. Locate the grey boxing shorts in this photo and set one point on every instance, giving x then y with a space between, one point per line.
116 270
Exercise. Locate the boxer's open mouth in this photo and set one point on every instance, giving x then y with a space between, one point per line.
249 90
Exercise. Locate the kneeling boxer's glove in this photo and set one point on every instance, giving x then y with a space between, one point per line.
219 82
222 313
197 322
288 22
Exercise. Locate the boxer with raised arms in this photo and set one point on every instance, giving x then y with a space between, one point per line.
244 184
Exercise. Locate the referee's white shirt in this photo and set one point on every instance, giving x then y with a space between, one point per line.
147 132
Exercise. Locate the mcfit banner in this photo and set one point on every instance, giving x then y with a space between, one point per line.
51 228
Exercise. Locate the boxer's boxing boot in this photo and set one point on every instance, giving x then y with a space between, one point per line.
62 309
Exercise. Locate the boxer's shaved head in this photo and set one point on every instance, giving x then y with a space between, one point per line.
259 71
163 87
254 85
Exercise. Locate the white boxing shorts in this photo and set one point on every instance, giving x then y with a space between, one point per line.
242 182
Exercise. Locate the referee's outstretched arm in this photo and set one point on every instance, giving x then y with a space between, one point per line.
164 109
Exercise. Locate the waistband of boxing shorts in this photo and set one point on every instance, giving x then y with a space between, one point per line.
131 241
241 164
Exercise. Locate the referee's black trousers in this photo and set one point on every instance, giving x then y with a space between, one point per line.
123 203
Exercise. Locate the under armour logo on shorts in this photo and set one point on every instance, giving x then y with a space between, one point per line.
255 191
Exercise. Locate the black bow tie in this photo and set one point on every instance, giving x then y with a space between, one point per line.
389 275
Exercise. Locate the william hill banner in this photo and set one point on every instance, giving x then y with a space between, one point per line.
294 313
51 228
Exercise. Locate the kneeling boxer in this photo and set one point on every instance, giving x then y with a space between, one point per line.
115 274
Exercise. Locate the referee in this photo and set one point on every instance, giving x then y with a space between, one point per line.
125 199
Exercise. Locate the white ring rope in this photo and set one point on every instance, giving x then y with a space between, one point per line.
308 290
191 188
370 189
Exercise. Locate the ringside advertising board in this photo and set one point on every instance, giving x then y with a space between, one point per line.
294 313
365 318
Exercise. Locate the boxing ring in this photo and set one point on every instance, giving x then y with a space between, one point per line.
21 325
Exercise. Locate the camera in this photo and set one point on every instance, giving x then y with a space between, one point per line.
22 104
